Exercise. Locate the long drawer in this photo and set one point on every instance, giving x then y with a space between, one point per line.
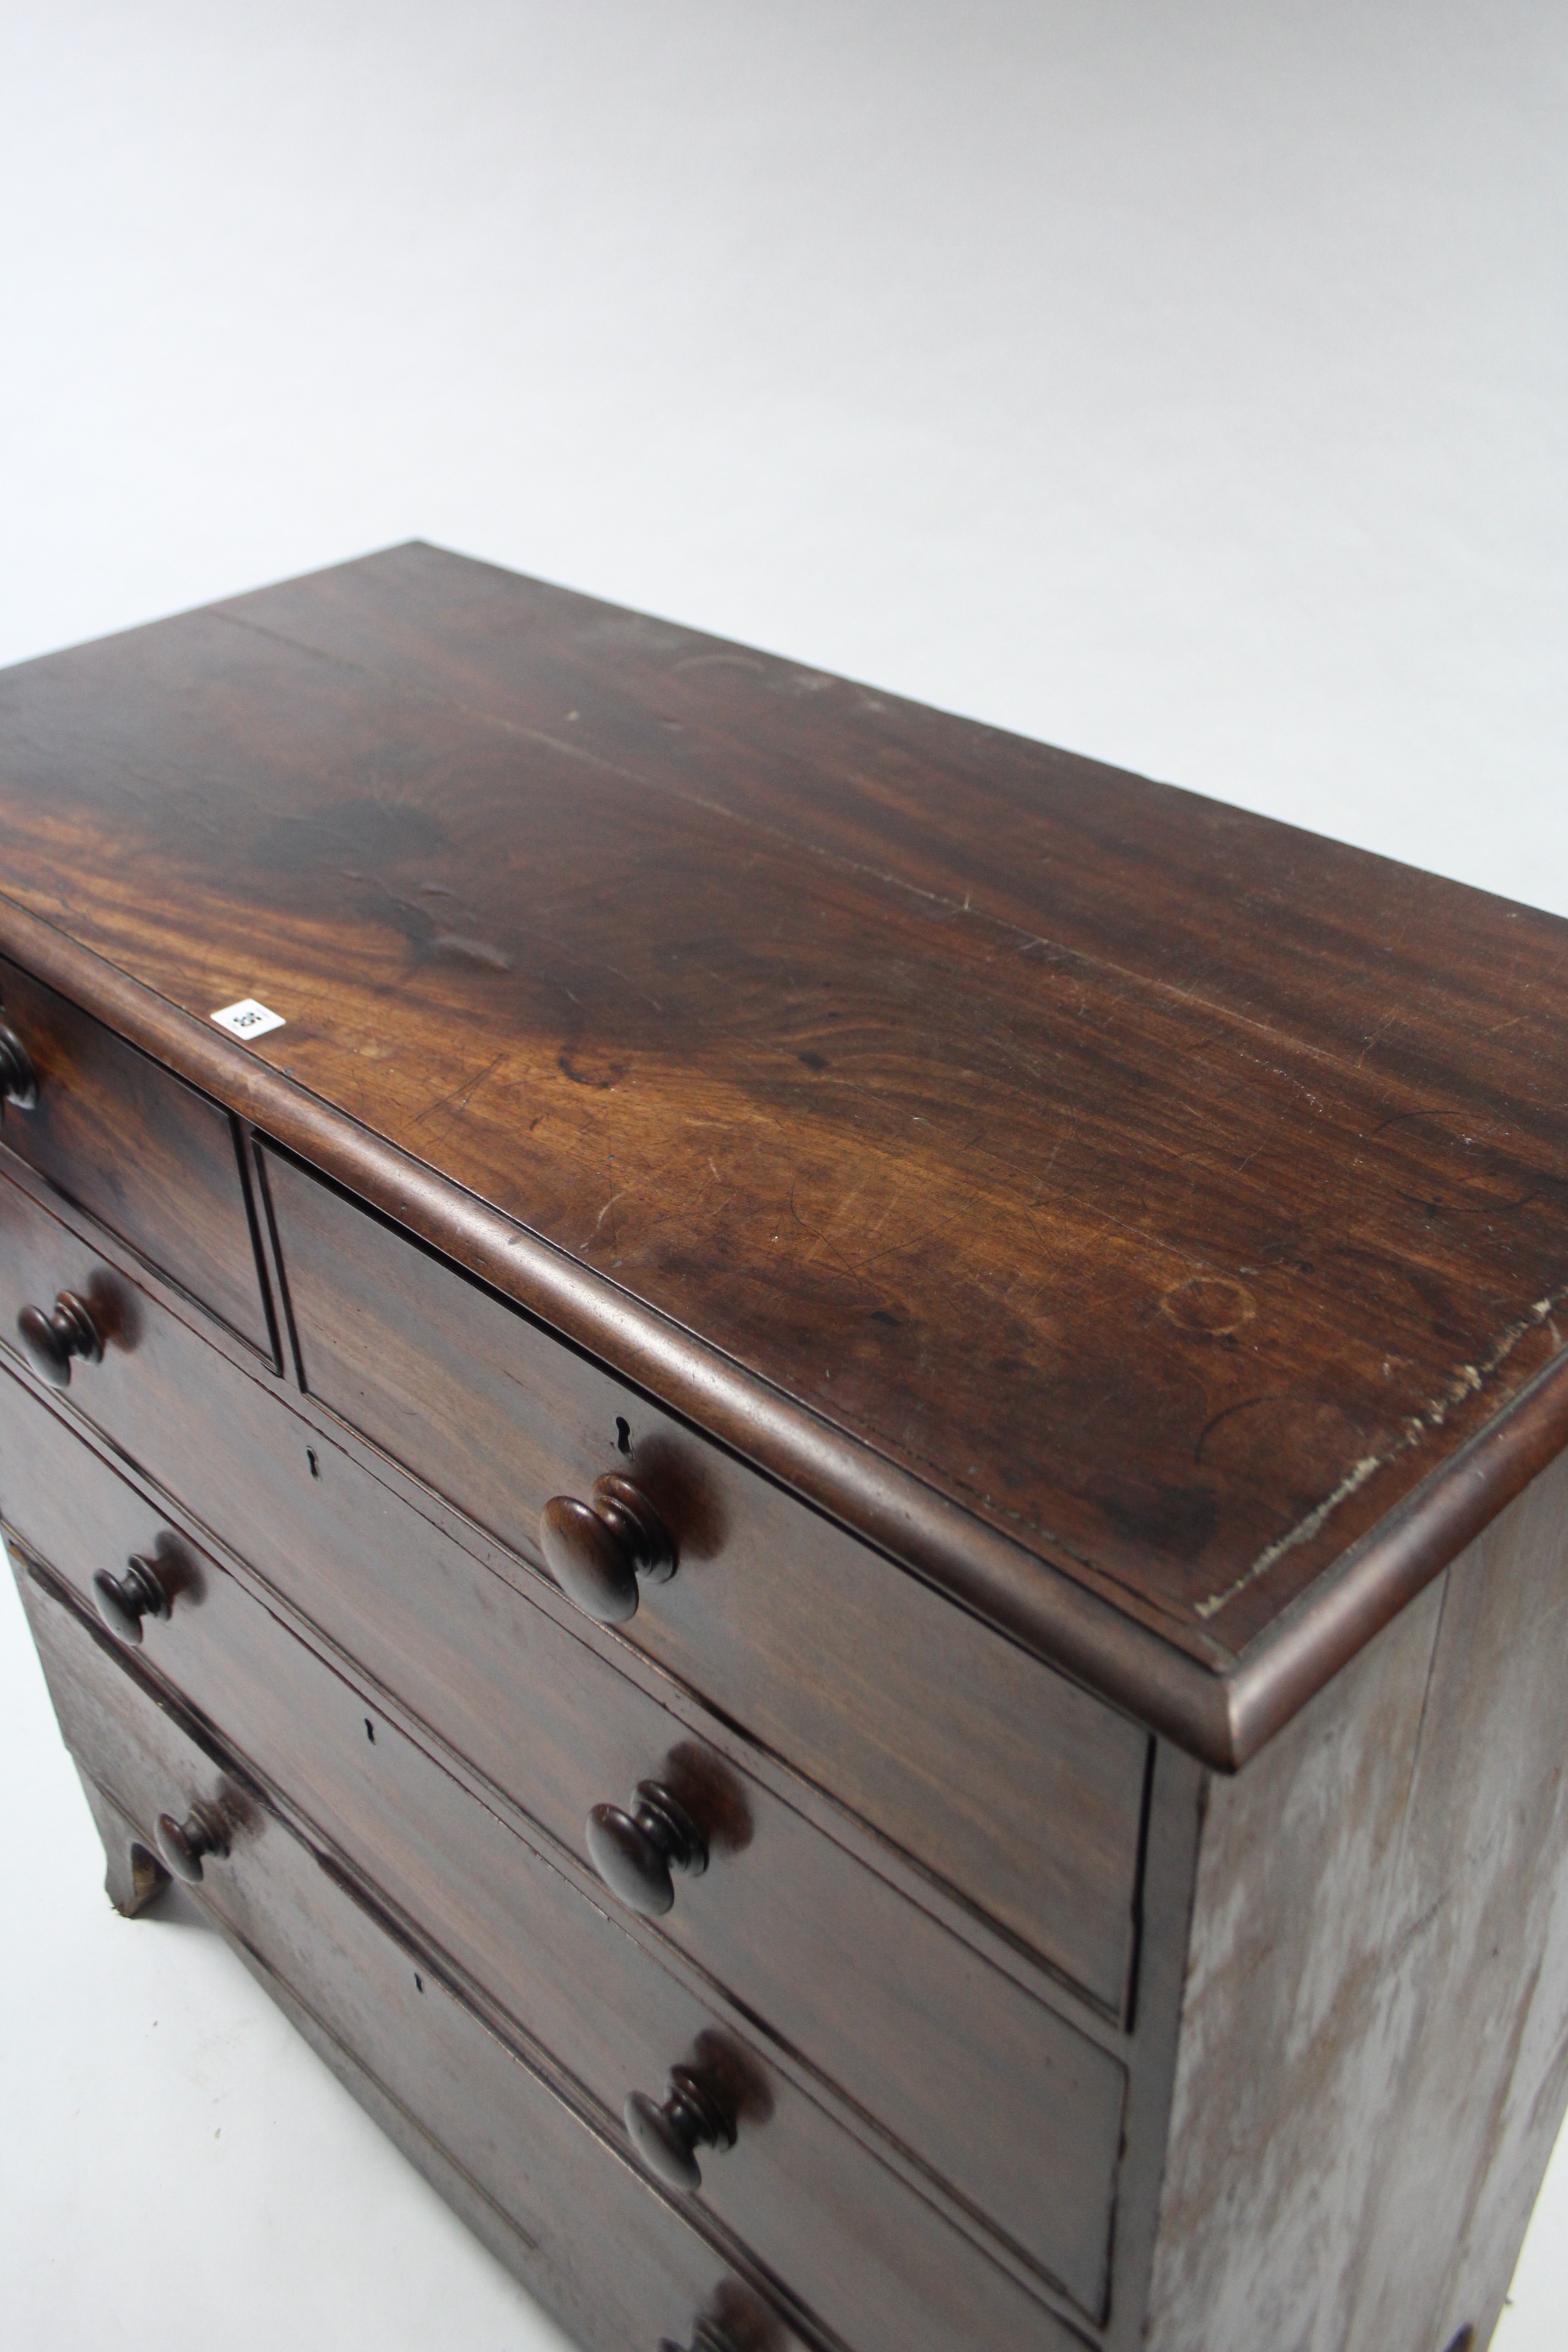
147 1155
571 1976
817 1645
622 2266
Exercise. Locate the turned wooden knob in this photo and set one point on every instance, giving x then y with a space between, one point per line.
123 1600
636 1852
596 1551
707 2336
182 1843
19 1080
668 2133
50 1339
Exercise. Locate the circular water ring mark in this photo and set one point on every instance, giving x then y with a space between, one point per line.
1208 1303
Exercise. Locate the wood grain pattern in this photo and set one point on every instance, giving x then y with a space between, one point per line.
936 2045
1380 1925
146 1155
884 2268
1002 1216
1021 1791
565 2189
405 1598
1172 1190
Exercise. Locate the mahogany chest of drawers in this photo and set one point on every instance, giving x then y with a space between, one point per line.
809 1461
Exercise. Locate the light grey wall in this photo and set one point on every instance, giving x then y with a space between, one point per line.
1184 384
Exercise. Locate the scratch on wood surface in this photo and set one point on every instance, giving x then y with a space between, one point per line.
1467 1381
1377 1035
1247 1404
459 947
608 1206
458 1099
635 987
1433 1660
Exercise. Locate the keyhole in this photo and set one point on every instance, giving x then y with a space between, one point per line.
623 1434
370 1730
311 1458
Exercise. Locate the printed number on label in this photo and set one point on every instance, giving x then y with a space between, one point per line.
248 1019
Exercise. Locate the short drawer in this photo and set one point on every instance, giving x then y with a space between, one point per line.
151 1159
1008 1783
1018 2111
620 2266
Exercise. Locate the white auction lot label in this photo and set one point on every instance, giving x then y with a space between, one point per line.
248 1019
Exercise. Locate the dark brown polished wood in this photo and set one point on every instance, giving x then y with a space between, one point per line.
752 1509
185 1845
667 2133
122 1601
540 1720
19 1080
636 1852
825 1026
597 1549
151 1159
919 2014
810 1641
317 1934
52 1336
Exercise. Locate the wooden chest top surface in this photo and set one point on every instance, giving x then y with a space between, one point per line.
1178 1192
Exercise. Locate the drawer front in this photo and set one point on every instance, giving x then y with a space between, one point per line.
556 2179
151 1159
877 2263
973 2070
1018 1789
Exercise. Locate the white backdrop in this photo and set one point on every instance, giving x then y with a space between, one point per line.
1185 385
